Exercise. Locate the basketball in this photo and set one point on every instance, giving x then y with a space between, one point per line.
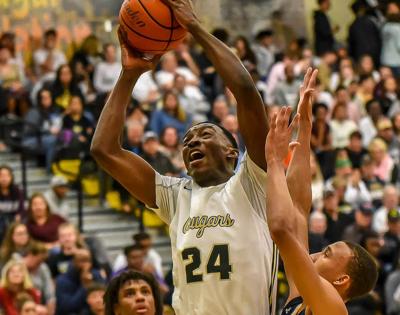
149 26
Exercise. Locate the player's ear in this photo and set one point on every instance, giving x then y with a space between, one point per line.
342 280
233 154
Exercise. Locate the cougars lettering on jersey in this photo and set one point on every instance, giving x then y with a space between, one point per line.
224 261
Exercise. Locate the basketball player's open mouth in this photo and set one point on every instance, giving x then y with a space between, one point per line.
141 310
195 156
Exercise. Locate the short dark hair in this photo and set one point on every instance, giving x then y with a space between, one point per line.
317 106
111 295
95 287
264 33
141 236
50 32
363 271
131 248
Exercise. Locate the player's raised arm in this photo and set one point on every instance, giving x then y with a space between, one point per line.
251 112
136 175
318 294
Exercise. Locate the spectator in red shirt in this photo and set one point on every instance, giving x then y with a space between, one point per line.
42 224
15 280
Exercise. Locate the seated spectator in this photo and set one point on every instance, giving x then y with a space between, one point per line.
8 39
48 59
15 280
389 97
341 127
151 257
11 81
355 149
383 163
356 191
69 242
42 223
336 221
342 97
171 148
56 196
77 130
146 90
16 241
107 72
39 272
390 202
396 125
317 184
373 183
152 155
135 258
71 287
11 199
366 66
344 76
321 138
230 123
94 299
244 52
365 92
287 91
386 133
191 99
171 114
26 305
363 222
64 87
134 136
316 239
390 252
42 126
169 68
220 110
369 123
131 281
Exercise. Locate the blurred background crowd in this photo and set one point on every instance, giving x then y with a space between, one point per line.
50 101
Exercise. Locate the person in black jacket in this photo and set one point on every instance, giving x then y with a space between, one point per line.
359 44
324 40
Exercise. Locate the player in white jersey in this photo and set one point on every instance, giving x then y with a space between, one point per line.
224 261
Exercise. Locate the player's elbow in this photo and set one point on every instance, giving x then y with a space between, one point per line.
279 229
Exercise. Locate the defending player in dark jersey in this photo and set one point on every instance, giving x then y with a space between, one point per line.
319 285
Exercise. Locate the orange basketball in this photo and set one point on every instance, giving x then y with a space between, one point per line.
150 26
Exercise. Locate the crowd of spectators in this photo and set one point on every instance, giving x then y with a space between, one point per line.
48 264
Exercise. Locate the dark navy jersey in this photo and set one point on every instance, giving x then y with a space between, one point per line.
293 307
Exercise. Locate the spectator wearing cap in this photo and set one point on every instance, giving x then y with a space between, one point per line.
355 149
152 154
373 183
71 287
264 51
363 221
390 251
390 202
386 133
56 196
171 114
336 221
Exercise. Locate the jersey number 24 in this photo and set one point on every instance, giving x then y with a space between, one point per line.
217 263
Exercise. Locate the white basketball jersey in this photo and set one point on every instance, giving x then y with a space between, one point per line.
224 260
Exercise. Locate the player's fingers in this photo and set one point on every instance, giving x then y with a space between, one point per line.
307 77
286 117
280 118
313 80
272 122
295 122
